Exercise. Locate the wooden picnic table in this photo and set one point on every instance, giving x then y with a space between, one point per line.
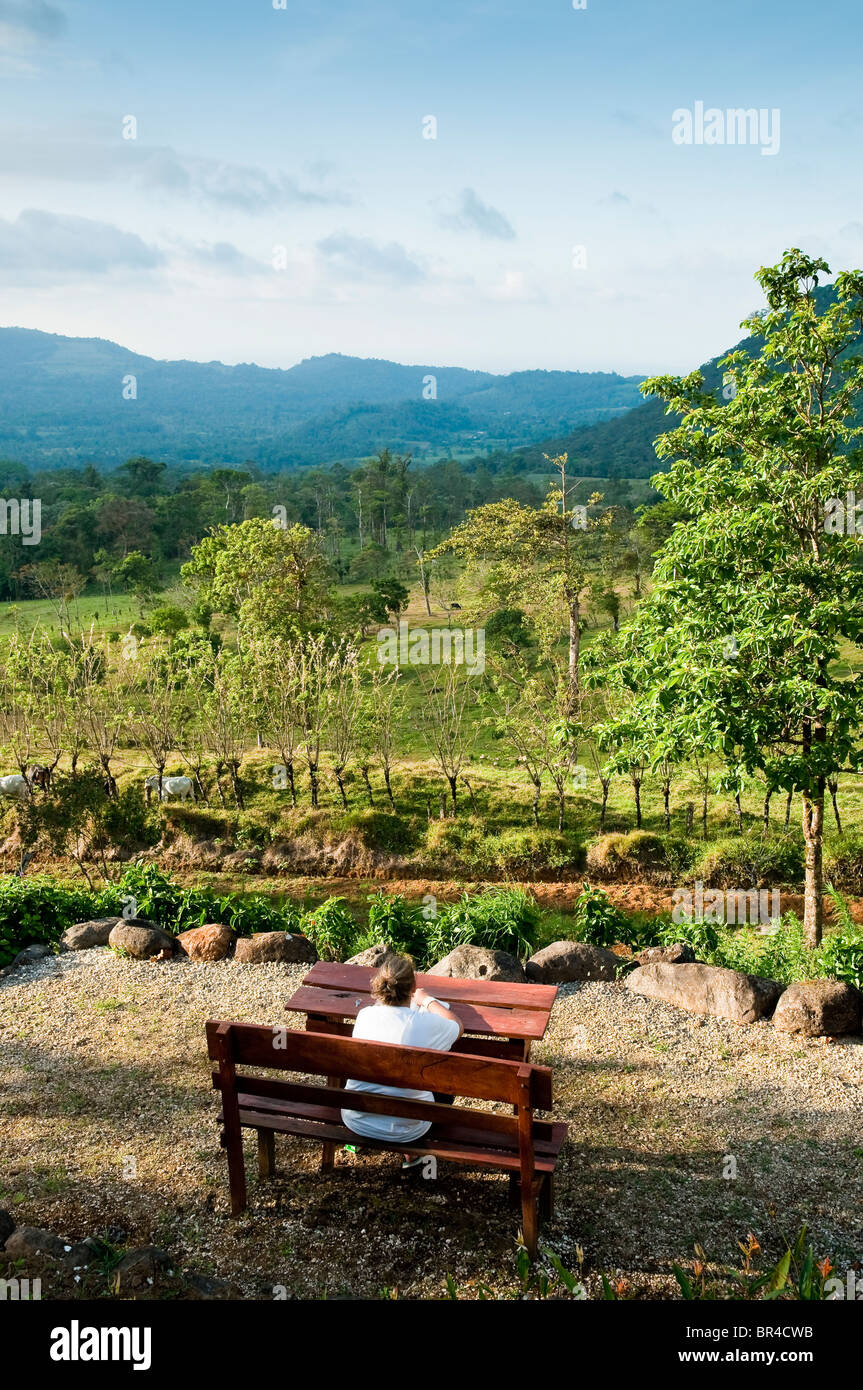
499 1020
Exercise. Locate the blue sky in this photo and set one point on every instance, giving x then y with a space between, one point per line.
279 199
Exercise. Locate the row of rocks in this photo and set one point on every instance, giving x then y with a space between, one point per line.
141 1270
143 940
670 973
815 1008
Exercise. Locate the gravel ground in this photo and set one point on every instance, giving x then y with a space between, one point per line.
683 1130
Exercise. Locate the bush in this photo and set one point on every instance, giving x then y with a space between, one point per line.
639 854
504 919
597 921
332 928
378 829
752 860
843 862
40 909
169 619
530 850
398 924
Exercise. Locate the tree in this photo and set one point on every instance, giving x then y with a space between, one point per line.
447 698
533 556
270 578
735 650
392 594
138 573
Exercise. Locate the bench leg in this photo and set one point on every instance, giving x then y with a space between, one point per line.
546 1198
236 1173
266 1153
529 1220
328 1149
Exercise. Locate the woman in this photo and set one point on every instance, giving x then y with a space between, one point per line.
402 1014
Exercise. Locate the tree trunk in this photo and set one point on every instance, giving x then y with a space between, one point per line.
636 783
369 793
452 787
788 801
813 832
738 811
235 786
704 815
289 768
833 784
313 782
666 800
574 648
339 771
561 807
389 788
766 812
606 784
474 806
535 807
690 816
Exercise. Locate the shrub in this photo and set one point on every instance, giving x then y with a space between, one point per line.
843 862
504 919
598 922
169 619
40 909
378 829
751 859
639 854
332 928
529 850
398 924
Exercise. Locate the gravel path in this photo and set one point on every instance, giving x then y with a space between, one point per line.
682 1130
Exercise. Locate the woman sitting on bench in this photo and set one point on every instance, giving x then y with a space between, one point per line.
401 1014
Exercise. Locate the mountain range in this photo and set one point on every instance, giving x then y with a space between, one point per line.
72 401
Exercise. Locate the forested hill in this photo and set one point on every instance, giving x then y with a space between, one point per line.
621 446
67 401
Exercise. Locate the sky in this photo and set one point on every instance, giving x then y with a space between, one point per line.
495 184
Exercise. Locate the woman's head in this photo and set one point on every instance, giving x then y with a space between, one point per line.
395 981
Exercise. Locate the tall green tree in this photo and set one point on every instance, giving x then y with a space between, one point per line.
756 593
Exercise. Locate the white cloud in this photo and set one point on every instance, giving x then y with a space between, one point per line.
473 215
46 247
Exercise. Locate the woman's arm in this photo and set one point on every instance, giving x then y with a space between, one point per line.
424 1000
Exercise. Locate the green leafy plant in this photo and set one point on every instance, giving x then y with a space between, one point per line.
332 928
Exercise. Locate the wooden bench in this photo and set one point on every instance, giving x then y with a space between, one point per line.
517 1144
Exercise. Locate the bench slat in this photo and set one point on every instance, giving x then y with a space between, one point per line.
390 1064
441 1146
495 994
475 1018
468 1042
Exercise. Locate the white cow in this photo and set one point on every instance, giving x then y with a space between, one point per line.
15 787
171 786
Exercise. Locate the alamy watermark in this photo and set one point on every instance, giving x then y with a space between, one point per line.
726 907
737 125
438 646
21 518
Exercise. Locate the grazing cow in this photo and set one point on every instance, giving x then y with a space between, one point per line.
39 776
15 787
171 786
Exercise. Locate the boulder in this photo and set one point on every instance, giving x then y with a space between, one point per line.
275 946
564 961
707 989
84 935
479 963
204 1287
7 1226
37 950
141 940
139 1269
819 1008
681 953
210 942
29 1241
373 956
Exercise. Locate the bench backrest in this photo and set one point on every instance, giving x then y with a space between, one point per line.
388 1064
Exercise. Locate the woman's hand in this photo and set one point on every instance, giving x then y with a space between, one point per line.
421 997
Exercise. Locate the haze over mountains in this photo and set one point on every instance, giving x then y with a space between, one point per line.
62 403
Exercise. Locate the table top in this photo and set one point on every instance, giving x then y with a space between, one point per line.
489 1008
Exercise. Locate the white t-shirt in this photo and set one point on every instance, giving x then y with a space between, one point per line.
412 1027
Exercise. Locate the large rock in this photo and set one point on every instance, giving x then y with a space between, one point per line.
373 956
275 946
707 989
139 1269
142 941
479 963
210 942
29 1241
681 953
204 1287
37 950
85 935
7 1226
819 1008
564 961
